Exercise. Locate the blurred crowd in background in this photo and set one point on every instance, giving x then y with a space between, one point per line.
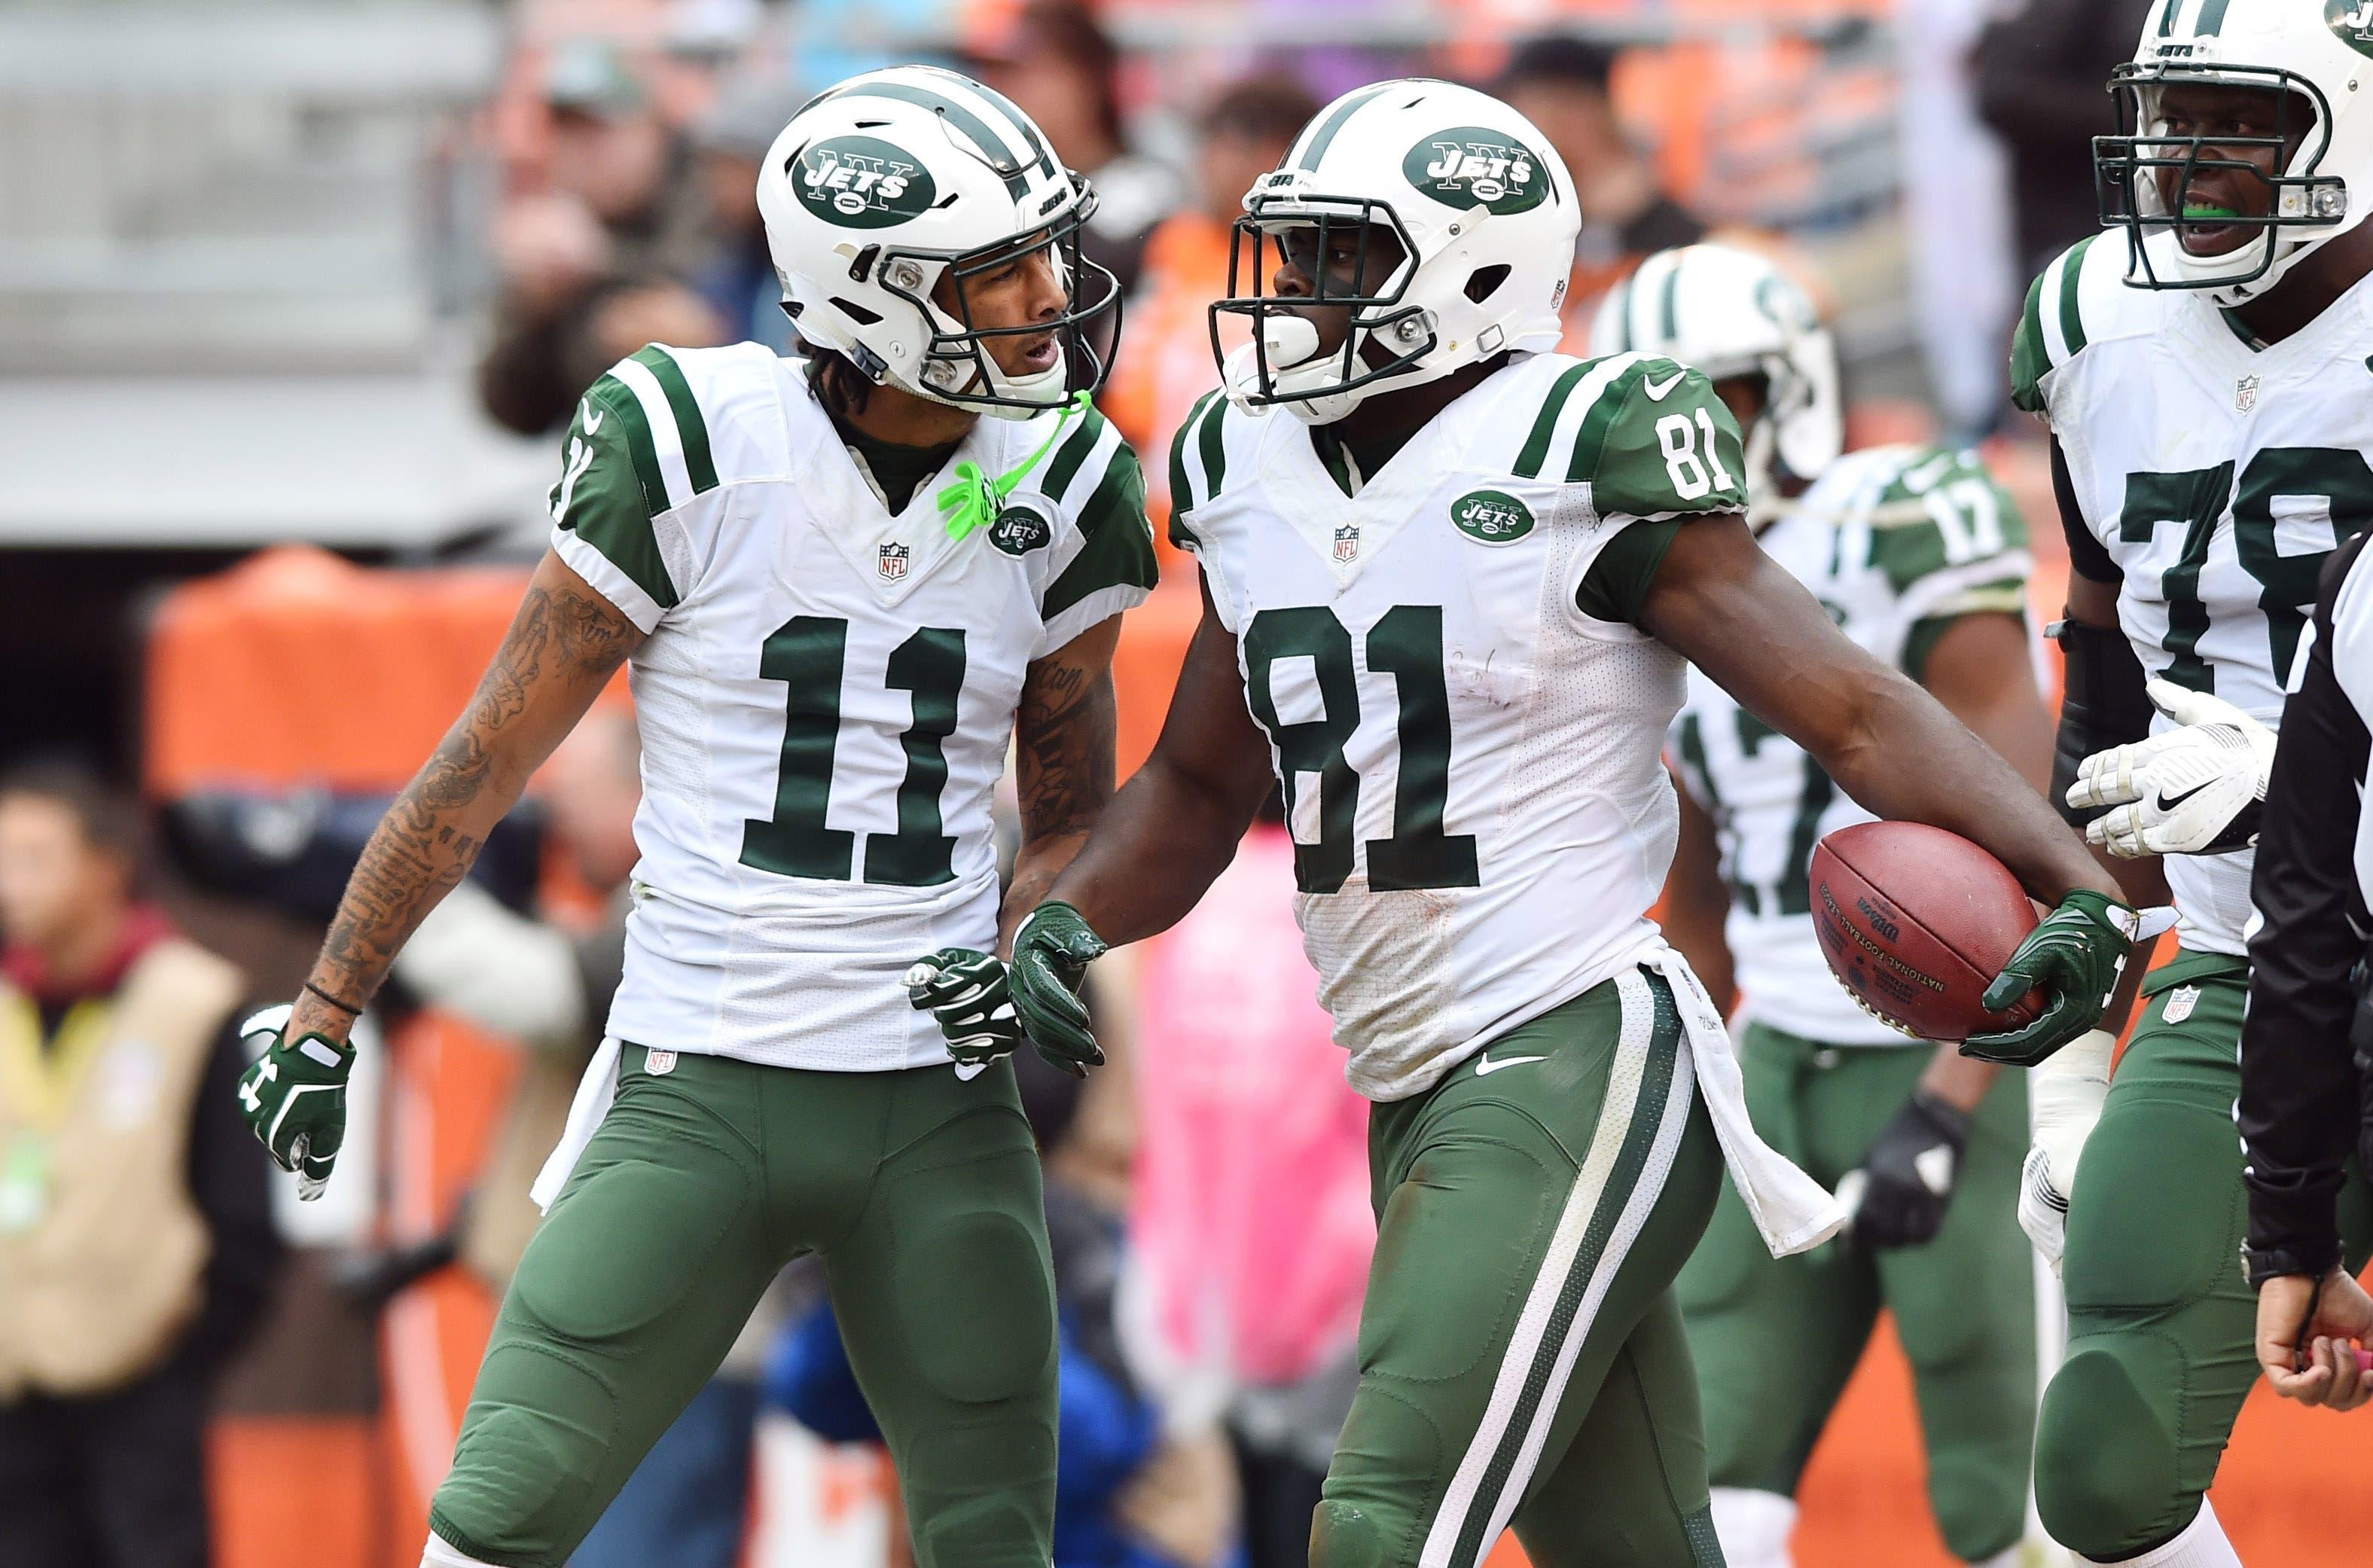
334 277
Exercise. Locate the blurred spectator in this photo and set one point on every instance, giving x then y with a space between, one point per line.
2042 79
1061 68
687 1504
1251 1226
1168 362
1127 1495
1560 85
593 266
136 1244
738 279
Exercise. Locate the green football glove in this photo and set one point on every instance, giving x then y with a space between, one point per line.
2075 957
966 992
293 1098
1051 954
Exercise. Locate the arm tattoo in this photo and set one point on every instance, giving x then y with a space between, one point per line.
1065 768
563 639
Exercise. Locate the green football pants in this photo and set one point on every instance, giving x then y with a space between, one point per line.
1776 1339
1520 1359
921 1195
2161 1324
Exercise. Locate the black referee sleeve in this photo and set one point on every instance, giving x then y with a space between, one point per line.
2298 1105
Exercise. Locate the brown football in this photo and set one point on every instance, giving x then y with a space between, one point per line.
1916 921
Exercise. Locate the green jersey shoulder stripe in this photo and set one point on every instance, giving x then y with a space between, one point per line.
1590 444
1078 442
2072 320
700 468
613 516
1537 445
1118 548
1321 136
1182 493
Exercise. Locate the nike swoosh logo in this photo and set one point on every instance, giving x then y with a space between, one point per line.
1485 1066
2167 802
1658 390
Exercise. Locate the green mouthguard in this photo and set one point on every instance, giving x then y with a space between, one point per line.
2207 214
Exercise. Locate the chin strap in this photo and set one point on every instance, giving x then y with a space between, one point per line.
974 499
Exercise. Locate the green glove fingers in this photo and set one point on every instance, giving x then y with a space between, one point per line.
2075 957
293 1098
966 992
1051 954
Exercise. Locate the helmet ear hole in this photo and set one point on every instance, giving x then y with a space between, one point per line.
1484 282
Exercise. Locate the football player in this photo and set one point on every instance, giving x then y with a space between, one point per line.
1450 596
2204 368
841 591
1922 559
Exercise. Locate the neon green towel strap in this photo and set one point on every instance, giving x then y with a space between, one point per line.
974 499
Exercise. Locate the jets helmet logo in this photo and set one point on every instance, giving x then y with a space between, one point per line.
861 183
1471 167
2353 20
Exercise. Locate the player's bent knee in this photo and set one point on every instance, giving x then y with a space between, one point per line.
2105 1462
524 1483
1979 1503
992 1531
1350 1535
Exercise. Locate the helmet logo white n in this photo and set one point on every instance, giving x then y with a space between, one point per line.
861 183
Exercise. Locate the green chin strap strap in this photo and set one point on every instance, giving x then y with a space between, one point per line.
974 499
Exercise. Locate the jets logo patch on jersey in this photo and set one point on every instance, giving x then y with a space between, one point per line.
1470 166
861 183
892 562
1019 529
1492 516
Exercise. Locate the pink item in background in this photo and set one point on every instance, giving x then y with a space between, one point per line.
1251 1218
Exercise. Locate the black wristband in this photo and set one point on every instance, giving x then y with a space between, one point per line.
346 1007
2261 1264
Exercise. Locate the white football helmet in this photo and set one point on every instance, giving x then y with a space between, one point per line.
1730 312
882 186
1486 220
2316 57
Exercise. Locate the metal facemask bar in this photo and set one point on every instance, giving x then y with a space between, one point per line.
2127 167
1374 317
1087 333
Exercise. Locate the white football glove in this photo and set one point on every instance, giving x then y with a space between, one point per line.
2064 1096
2195 790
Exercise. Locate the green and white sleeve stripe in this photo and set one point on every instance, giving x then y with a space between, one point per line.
637 451
1550 442
2051 327
1103 562
1650 1089
1199 465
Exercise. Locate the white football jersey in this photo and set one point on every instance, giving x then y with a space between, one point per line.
2216 475
1894 542
827 694
1471 765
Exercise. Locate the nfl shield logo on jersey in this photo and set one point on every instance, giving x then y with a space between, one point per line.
892 562
2245 395
1347 542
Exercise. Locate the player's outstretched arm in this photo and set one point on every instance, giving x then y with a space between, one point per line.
1719 600
563 646
1171 829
